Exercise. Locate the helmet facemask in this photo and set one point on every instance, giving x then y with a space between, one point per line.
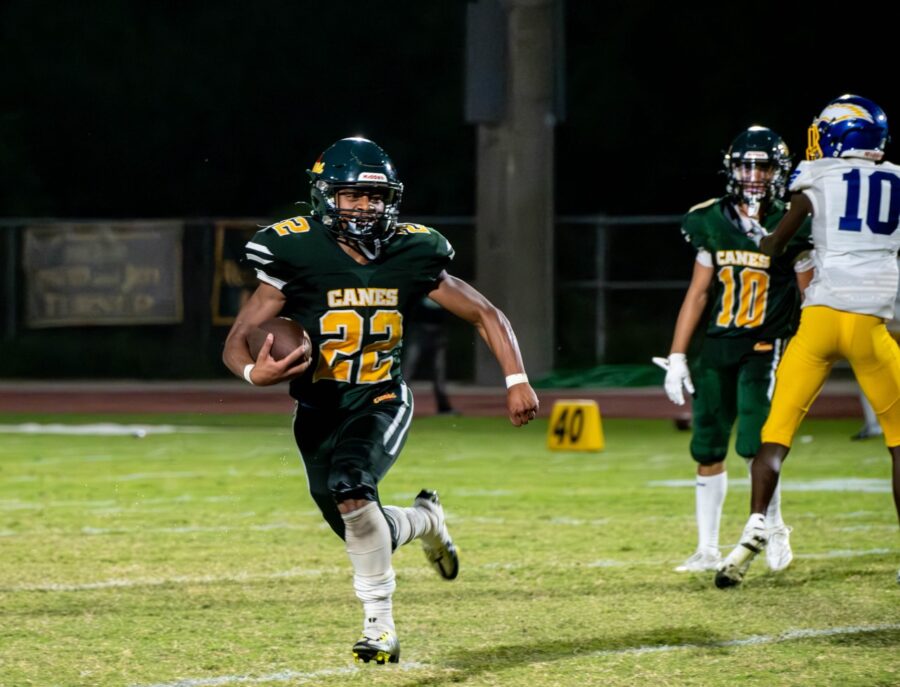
757 165
366 231
752 183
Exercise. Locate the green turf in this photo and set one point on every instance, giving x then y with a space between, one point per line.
197 558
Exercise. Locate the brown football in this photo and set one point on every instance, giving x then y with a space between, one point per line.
289 335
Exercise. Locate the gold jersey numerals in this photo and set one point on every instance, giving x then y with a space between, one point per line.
343 352
750 300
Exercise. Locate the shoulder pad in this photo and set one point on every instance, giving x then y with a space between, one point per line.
694 224
704 204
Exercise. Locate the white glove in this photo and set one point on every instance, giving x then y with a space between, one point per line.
677 376
754 230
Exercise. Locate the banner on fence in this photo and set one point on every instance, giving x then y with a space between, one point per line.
102 273
233 281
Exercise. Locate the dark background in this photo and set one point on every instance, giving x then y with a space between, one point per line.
199 110
192 109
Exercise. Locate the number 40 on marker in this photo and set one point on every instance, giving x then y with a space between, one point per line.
575 426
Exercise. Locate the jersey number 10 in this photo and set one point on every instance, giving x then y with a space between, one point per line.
851 221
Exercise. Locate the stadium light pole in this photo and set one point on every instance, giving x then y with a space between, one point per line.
514 95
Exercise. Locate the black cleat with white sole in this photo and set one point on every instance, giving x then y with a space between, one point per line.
383 649
439 548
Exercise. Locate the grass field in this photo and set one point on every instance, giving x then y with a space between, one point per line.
195 557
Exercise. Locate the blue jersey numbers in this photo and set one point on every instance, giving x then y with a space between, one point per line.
883 208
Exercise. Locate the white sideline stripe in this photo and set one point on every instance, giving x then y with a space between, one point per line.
786 636
180 579
866 486
842 554
100 429
282 676
291 675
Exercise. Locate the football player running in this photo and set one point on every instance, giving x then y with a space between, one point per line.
349 273
755 301
854 199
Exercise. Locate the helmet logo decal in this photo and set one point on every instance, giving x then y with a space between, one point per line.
839 112
318 168
372 176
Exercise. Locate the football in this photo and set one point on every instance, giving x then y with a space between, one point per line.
289 335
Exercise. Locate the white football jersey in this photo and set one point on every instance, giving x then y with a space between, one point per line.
856 211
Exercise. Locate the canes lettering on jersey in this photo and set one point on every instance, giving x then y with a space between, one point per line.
753 295
339 298
354 313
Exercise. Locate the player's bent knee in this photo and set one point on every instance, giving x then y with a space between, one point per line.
708 459
345 491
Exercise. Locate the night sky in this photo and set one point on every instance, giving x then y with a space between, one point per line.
197 109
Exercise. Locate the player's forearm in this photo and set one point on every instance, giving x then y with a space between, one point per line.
688 317
498 334
236 354
775 243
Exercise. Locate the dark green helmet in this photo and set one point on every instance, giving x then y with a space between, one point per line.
356 163
757 164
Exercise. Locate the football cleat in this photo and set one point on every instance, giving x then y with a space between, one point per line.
778 548
731 571
438 547
701 561
383 649
867 433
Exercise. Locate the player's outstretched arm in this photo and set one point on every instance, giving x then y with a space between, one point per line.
265 303
775 243
466 302
678 376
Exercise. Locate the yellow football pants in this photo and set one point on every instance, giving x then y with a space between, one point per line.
825 336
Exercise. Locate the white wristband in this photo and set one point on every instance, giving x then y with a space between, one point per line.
248 368
518 378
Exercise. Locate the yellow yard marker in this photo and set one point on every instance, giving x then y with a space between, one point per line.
575 426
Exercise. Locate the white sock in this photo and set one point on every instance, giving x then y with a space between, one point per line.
757 520
773 513
710 496
368 539
409 523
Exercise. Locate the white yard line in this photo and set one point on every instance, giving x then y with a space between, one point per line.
300 677
294 676
179 579
408 572
855 485
786 636
101 429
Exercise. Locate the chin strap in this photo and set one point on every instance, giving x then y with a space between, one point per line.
371 252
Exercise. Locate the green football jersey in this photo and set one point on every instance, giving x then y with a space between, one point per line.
753 295
354 314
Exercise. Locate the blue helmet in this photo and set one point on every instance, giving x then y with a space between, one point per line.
849 126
